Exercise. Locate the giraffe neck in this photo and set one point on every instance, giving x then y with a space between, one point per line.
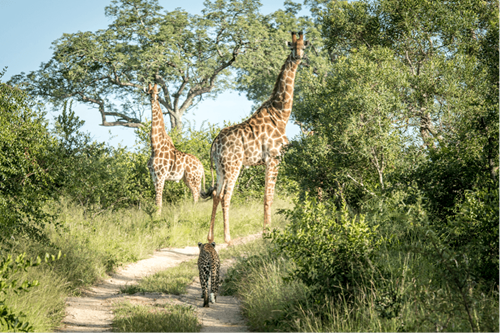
159 137
282 97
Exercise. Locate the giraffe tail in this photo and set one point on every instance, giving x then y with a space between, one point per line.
203 194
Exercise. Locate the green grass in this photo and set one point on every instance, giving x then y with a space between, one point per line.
43 305
257 278
189 223
155 318
174 280
171 281
92 247
411 297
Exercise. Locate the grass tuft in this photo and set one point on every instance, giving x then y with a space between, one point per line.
257 278
171 281
155 318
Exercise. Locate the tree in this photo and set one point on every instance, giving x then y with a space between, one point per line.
188 56
409 96
257 72
356 140
27 163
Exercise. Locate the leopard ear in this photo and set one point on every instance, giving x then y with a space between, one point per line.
199 244
213 244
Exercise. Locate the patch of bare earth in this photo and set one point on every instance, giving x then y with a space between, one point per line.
94 310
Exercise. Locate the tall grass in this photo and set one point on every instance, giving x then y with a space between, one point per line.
95 245
174 280
408 296
43 305
257 278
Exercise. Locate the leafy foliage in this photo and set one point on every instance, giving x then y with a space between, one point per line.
95 175
402 97
473 232
27 164
8 268
332 251
257 72
188 56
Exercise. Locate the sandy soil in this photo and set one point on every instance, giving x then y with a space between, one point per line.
93 311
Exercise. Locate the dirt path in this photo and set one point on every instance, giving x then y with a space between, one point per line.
93 311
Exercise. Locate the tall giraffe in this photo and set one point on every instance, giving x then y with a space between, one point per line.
166 162
256 141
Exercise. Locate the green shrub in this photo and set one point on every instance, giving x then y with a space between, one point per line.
9 269
473 231
94 175
331 250
28 162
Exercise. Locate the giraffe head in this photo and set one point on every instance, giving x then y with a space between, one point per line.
153 91
298 45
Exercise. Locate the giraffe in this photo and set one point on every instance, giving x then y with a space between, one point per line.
256 141
166 162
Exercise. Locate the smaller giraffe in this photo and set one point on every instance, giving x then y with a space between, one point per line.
166 162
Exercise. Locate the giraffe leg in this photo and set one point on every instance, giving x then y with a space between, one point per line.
271 176
216 199
159 194
193 183
232 176
226 202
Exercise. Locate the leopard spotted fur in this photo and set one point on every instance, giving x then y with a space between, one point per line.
209 266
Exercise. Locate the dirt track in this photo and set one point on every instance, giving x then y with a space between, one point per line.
93 311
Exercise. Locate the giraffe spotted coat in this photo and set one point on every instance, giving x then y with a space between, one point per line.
168 163
255 141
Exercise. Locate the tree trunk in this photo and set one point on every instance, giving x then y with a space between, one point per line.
175 120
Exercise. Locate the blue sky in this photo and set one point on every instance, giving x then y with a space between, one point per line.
28 27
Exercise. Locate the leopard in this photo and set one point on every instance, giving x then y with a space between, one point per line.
209 267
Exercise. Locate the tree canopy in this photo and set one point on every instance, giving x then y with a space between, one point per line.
409 87
188 56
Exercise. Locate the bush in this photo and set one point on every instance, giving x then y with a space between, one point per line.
8 267
9 319
96 176
269 303
473 231
27 164
332 251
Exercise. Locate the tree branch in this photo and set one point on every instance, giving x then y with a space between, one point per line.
361 184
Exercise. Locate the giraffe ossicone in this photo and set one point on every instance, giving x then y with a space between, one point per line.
256 141
168 163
